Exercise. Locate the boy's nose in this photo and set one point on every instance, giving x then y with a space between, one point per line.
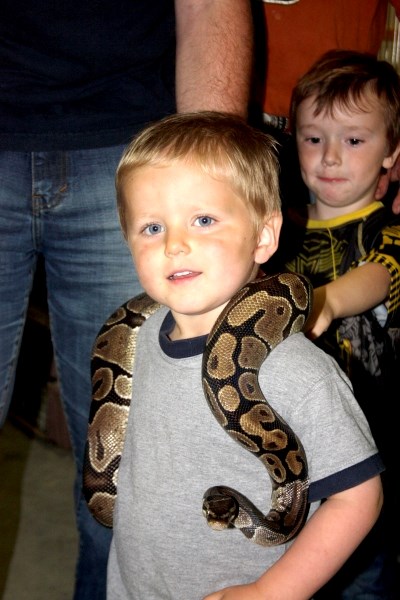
331 155
176 243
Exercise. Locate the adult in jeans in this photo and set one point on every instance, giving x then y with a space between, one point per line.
78 80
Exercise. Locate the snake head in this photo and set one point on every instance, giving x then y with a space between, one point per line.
219 509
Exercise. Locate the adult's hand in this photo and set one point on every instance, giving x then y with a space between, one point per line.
392 174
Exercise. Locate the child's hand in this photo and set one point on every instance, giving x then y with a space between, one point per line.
250 591
321 315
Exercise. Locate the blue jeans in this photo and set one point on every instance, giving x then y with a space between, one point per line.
62 205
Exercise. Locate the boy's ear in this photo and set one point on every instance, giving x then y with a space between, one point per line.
268 238
389 161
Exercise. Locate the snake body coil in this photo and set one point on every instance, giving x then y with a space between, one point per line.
112 368
257 318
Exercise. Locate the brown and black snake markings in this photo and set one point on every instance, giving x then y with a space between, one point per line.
112 367
255 321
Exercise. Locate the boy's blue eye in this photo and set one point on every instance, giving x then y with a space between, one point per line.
204 221
153 229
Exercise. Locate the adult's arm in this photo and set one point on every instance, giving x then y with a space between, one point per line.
392 174
214 55
396 6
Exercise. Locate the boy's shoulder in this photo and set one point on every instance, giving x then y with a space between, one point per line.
367 232
302 349
301 363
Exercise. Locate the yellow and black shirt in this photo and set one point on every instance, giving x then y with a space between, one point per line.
366 346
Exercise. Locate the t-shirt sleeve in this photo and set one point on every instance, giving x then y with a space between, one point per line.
387 253
314 396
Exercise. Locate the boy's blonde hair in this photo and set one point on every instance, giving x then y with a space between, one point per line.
222 145
344 77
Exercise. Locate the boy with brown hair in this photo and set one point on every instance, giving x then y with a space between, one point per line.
345 115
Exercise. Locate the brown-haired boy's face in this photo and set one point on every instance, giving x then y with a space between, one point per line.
341 154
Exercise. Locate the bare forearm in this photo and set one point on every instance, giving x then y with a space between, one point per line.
214 55
359 290
322 547
329 538
351 294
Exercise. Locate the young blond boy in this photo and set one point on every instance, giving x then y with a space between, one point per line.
199 206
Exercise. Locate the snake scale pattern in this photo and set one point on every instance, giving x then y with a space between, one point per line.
256 320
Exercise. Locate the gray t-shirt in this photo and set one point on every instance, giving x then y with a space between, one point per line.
162 547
